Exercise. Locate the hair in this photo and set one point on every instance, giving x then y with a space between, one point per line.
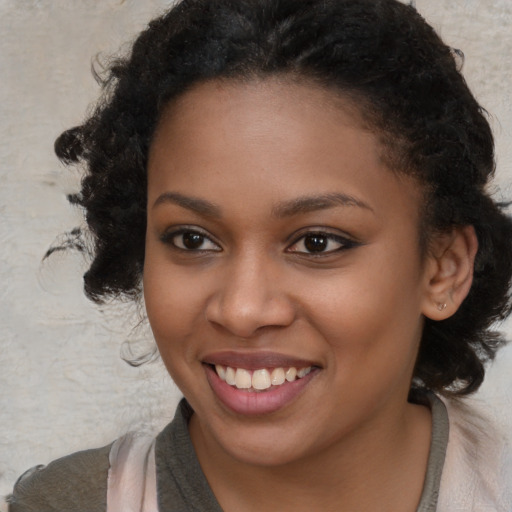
380 53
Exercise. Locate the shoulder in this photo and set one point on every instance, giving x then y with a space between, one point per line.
477 473
76 482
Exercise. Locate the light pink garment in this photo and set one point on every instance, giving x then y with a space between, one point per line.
477 474
132 475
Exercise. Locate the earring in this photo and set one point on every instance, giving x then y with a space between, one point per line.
441 306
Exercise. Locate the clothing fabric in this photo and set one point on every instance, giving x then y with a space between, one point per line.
76 483
140 474
477 474
132 475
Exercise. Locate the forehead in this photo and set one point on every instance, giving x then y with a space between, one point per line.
227 139
238 100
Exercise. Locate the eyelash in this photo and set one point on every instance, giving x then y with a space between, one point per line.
170 239
202 238
327 238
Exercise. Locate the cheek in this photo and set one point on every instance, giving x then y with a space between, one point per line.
172 316
371 313
172 304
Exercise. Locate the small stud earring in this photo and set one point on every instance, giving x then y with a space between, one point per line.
441 306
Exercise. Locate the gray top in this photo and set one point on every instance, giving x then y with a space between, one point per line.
438 444
78 482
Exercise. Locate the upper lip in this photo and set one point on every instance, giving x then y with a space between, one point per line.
256 360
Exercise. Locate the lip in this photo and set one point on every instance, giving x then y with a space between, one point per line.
256 360
251 403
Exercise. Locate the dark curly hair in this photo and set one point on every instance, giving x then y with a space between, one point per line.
385 57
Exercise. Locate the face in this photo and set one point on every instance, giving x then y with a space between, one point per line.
283 279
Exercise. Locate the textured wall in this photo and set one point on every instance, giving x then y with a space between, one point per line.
62 384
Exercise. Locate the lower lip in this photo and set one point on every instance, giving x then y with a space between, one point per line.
251 403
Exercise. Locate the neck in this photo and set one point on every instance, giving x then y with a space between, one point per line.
380 467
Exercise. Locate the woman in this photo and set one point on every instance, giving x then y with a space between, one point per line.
298 191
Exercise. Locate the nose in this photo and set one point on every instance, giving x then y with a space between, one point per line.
250 295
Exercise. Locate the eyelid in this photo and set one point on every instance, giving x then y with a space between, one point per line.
346 241
172 232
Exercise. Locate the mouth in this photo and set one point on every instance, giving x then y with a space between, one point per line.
262 379
255 384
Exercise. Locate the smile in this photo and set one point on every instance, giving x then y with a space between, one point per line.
261 379
253 383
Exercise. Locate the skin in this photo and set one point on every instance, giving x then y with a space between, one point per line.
349 440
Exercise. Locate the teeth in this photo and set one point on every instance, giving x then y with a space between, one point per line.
221 371
230 376
277 376
291 374
243 379
303 372
259 380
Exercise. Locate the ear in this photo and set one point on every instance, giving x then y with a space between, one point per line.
449 272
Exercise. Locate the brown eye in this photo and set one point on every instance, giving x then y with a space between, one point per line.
190 240
315 243
318 243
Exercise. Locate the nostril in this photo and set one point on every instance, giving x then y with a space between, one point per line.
247 301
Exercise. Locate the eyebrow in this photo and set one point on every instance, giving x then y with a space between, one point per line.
290 208
200 206
307 204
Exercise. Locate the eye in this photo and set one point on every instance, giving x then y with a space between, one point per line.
190 240
321 243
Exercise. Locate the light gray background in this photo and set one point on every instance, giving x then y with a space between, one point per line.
63 386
